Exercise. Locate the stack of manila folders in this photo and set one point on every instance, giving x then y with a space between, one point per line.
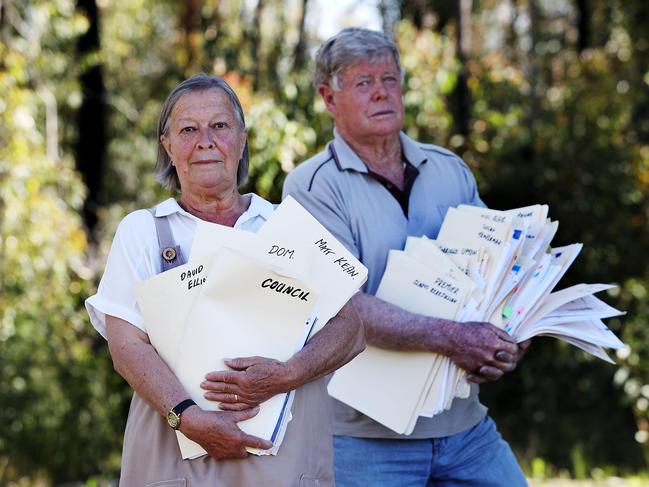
484 265
247 294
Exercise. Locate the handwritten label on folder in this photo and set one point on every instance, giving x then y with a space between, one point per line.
335 273
344 263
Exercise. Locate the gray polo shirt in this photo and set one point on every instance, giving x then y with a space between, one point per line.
369 216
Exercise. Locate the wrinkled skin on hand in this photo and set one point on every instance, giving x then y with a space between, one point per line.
488 373
217 432
484 351
251 381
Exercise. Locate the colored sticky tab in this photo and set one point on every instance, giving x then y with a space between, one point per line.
507 311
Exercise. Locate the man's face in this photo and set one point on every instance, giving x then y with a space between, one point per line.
369 103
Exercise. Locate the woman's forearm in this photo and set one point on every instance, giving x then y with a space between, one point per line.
253 380
339 341
135 359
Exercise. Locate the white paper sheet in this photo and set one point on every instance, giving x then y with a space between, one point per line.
512 292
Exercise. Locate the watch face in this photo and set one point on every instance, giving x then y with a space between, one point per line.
173 419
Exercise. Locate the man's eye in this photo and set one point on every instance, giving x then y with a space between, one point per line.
187 130
363 83
220 125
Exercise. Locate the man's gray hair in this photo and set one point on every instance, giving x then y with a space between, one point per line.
348 47
164 170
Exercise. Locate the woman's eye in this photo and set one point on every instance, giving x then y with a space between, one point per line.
220 125
187 130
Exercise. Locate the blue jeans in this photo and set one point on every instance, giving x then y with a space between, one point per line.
476 457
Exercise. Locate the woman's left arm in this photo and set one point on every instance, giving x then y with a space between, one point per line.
253 380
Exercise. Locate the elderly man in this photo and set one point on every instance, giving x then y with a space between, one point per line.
372 187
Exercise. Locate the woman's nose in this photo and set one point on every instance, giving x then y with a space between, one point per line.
206 140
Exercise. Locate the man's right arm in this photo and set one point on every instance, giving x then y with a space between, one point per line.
483 350
471 346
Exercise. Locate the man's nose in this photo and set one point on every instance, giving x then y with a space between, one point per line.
380 91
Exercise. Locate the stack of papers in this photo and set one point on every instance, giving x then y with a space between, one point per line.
485 265
247 294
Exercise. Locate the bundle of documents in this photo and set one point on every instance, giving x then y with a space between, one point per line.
485 265
247 294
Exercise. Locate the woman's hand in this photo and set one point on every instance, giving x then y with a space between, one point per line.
217 432
251 381
137 361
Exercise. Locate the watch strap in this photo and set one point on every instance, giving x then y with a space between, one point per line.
181 406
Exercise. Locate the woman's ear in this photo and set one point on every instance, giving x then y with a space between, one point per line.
243 139
164 140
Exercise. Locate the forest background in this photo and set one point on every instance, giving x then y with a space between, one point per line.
546 100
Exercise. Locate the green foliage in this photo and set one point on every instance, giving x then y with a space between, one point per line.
57 389
557 124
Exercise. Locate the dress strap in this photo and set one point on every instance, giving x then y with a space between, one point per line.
170 254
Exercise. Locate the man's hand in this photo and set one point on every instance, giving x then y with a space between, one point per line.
483 350
217 432
487 373
251 381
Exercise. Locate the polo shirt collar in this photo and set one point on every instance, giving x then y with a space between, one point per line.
346 158
344 155
411 151
259 207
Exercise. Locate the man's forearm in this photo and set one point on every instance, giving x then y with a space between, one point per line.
388 326
479 348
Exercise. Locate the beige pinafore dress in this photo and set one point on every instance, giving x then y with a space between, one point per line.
151 456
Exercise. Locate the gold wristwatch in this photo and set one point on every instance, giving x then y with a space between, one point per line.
173 416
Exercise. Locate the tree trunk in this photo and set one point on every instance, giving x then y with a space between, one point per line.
583 25
90 148
255 45
415 10
638 31
4 25
461 96
389 10
532 68
299 52
190 21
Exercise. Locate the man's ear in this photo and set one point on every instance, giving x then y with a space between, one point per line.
327 94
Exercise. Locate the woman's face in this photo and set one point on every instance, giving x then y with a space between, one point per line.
205 142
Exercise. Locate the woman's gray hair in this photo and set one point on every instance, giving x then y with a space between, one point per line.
348 47
165 172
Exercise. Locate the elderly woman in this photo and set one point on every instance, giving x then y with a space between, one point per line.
203 153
